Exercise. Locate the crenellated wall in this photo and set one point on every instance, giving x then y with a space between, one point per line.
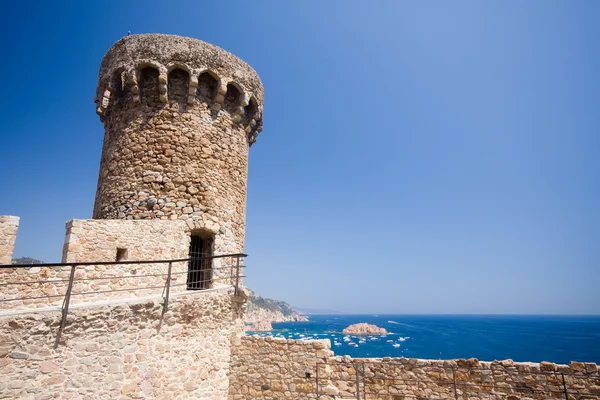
268 368
9 225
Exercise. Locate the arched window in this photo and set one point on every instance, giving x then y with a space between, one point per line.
116 88
251 109
178 84
148 83
207 87
232 98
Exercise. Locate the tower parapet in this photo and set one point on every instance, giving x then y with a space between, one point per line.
179 117
189 62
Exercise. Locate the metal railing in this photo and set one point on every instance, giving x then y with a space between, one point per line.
395 381
66 275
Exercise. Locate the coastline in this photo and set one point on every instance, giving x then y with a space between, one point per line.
542 338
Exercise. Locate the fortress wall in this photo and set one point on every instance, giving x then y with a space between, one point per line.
99 240
282 365
9 226
124 350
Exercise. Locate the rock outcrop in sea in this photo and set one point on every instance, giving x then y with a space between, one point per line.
260 326
364 329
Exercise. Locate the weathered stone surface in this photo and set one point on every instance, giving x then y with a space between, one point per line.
9 226
260 326
184 353
289 368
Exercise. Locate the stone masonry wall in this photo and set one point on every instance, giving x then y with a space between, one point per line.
179 116
98 240
267 368
123 351
8 235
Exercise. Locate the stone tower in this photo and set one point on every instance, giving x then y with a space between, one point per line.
179 116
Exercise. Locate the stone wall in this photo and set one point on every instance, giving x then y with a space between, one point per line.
8 235
125 350
104 240
267 368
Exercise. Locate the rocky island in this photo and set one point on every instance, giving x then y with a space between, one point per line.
364 329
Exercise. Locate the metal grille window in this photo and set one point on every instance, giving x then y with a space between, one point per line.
200 264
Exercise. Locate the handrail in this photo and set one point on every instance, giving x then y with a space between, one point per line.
200 279
119 262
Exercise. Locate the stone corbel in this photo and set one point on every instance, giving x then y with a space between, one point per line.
193 86
162 84
132 82
218 103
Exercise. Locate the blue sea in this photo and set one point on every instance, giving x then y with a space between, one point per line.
558 339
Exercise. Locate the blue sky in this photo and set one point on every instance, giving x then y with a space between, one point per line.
416 157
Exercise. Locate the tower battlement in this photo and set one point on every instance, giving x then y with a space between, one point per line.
157 70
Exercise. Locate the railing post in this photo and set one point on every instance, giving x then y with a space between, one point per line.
565 386
168 287
231 276
454 380
65 306
237 276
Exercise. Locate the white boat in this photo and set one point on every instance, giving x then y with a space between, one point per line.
396 345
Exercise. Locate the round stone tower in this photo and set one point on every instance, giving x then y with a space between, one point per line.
179 116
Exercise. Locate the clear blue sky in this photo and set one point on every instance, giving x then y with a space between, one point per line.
417 157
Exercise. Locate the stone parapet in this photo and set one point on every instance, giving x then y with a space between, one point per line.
95 241
9 225
267 368
233 83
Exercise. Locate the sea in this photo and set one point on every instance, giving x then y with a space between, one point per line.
558 339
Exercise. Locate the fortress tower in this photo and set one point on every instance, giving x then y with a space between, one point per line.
179 116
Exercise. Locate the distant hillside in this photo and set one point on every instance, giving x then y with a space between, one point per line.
26 260
261 310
